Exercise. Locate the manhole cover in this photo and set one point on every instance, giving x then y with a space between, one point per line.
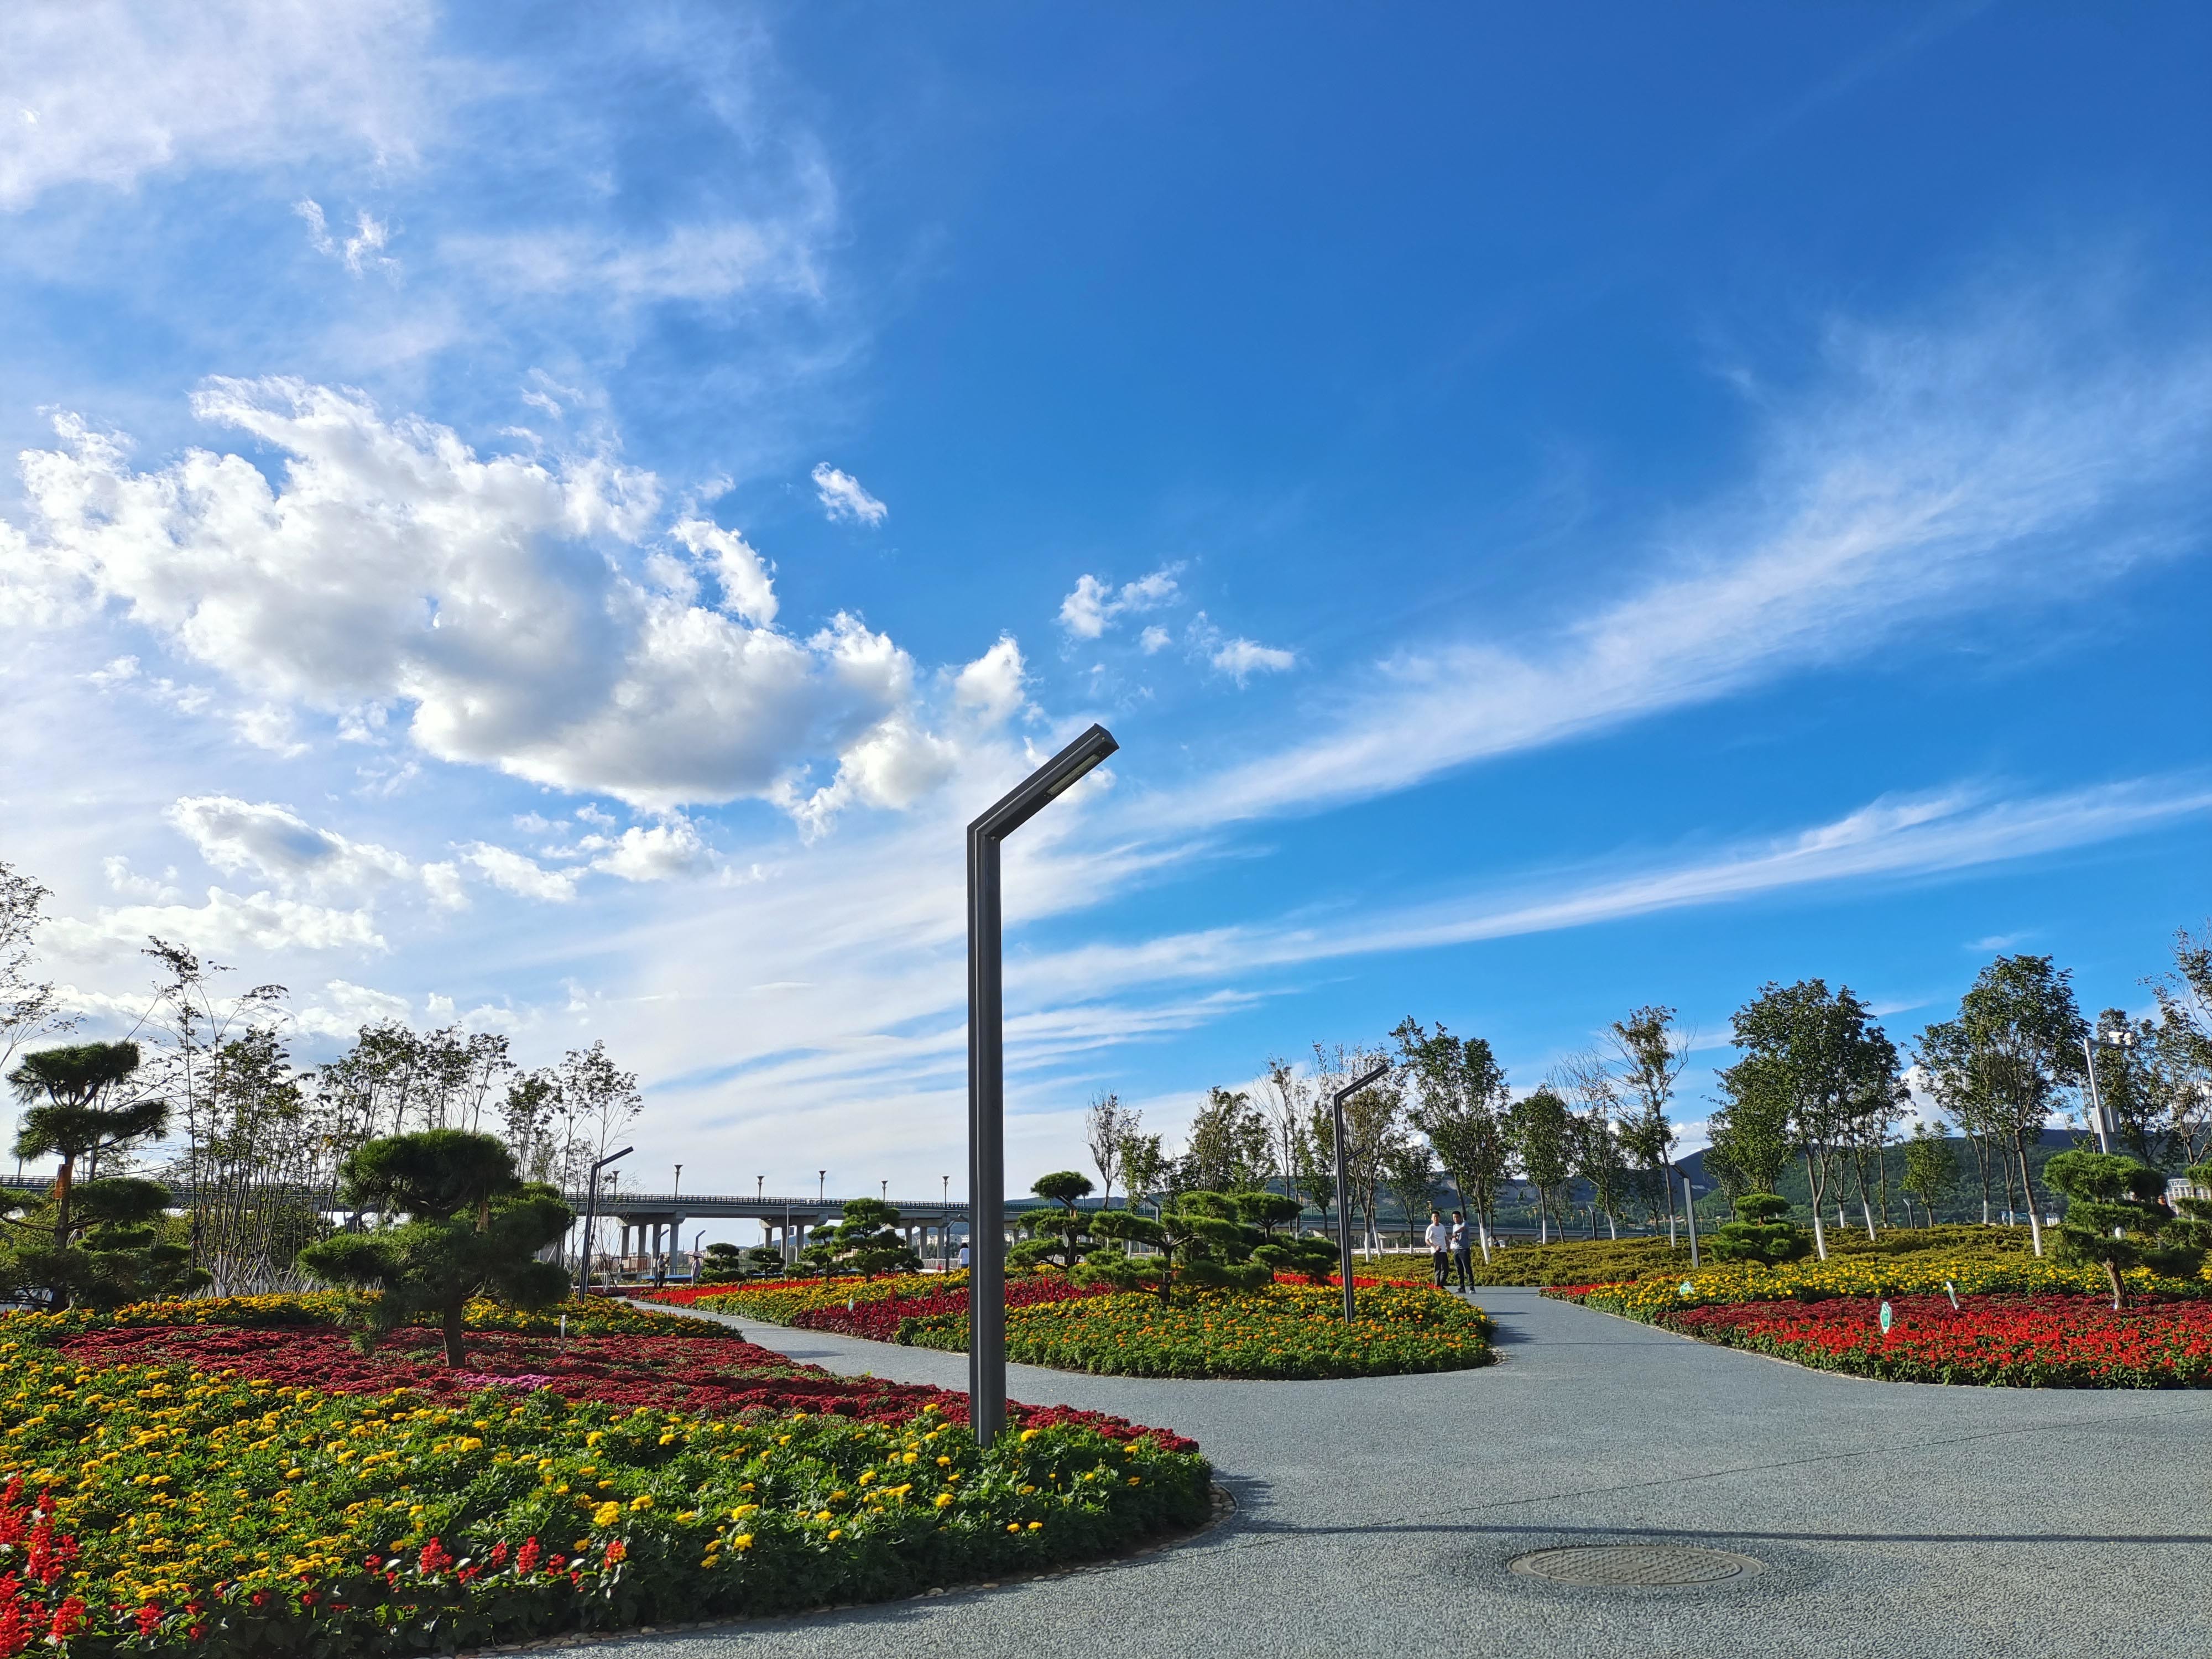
1630 1564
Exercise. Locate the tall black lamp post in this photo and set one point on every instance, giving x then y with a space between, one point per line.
1343 1186
986 1076
591 1217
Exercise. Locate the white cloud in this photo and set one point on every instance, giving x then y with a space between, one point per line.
708 261
442 882
256 922
113 92
361 251
278 845
747 591
123 879
1093 605
1240 659
1154 640
519 873
392 568
843 497
1928 473
1889 839
991 686
662 853
346 1007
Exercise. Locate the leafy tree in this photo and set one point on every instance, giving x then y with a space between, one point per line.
1230 1145
1595 1153
473 1228
2114 1218
2183 1053
1762 1231
1931 1167
1750 1132
865 1240
1458 1091
1648 1055
1057 1235
1542 1127
29 1007
1824 1053
77 1112
1372 1120
1288 1100
2015 1043
1144 1166
1409 1170
1314 1174
1107 1128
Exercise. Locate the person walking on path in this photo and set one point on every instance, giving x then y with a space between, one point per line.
1461 1252
1439 1238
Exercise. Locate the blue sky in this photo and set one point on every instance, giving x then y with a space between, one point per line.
555 518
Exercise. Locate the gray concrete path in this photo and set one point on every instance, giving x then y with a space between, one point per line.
1375 1518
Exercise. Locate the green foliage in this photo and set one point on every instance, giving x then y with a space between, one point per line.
2114 1218
1057 1237
474 1228
1201 1241
95 1242
1542 1131
1931 1166
1762 1231
864 1240
1459 1095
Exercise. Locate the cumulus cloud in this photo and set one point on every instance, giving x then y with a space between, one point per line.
991 686
843 497
1154 640
345 1007
259 922
276 845
492 604
662 853
520 874
1240 658
1093 605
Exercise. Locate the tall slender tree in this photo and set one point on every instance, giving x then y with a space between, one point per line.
1649 1053
2015 1044
1457 1093
1824 1053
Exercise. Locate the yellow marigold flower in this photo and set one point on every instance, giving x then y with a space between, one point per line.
607 1515
1029 1435
642 1501
1037 1526
836 1533
744 1540
944 1499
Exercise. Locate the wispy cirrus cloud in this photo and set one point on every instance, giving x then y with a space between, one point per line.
1925 473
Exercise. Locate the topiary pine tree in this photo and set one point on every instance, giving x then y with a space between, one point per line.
1200 1241
864 1241
94 1241
1057 1237
1762 1231
473 1228
2114 1218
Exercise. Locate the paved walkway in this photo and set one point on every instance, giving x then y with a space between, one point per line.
1375 1517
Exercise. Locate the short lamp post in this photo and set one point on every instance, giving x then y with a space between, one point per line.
986 1075
1343 1184
591 1217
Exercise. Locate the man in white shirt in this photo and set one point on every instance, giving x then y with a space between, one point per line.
1439 1240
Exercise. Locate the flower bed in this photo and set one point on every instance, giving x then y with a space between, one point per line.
1922 1274
205 1499
577 1317
2012 1341
1285 1332
782 1300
